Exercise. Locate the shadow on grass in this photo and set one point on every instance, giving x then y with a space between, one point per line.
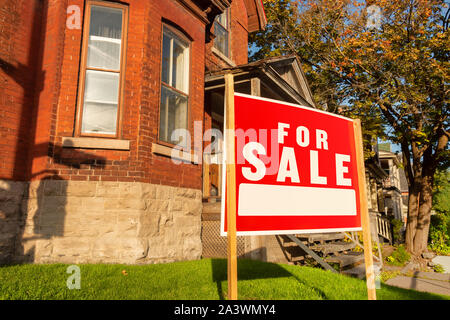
251 270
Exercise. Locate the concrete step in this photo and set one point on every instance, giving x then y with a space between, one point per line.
316 237
211 211
334 247
211 207
346 259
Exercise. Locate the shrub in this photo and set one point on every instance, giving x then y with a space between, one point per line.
439 234
438 268
439 239
397 230
386 275
399 257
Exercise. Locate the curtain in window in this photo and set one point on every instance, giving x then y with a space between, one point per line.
174 87
173 113
100 102
221 33
105 35
101 92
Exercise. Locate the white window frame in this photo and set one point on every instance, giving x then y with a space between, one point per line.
186 44
84 68
227 30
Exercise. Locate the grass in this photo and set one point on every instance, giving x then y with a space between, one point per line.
190 280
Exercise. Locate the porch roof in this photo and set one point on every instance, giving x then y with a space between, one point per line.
281 75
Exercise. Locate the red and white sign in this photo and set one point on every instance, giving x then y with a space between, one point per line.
296 170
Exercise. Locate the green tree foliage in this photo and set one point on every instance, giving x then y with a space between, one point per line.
439 237
384 61
441 196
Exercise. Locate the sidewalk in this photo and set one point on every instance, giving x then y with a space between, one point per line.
424 281
444 261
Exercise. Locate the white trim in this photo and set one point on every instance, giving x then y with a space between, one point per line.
186 51
224 175
105 39
291 105
298 231
258 200
100 101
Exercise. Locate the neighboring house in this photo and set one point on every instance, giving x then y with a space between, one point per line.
404 189
90 94
375 176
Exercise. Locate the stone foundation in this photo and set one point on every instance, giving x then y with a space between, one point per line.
108 222
11 195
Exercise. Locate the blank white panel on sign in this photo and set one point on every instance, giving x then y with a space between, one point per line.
272 200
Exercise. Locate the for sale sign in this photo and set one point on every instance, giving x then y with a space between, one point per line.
296 169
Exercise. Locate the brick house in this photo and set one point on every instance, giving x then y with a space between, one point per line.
90 94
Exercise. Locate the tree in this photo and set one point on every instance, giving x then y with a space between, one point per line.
385 61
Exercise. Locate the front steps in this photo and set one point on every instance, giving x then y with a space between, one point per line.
330 247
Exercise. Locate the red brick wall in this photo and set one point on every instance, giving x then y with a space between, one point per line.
238 39
40 62
161 169
20 23
48 85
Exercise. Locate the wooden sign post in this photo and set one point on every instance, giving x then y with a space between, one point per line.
231 187
365 219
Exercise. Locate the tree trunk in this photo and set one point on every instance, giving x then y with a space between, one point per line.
419 214
423 222
411 224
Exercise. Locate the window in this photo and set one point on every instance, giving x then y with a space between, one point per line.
102 69
221 30
174 85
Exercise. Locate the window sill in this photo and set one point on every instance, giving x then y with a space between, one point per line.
95 143
174 153
223 57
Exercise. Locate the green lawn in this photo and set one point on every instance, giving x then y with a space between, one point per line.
190 280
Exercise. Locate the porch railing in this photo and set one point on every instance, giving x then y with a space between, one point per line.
384 227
